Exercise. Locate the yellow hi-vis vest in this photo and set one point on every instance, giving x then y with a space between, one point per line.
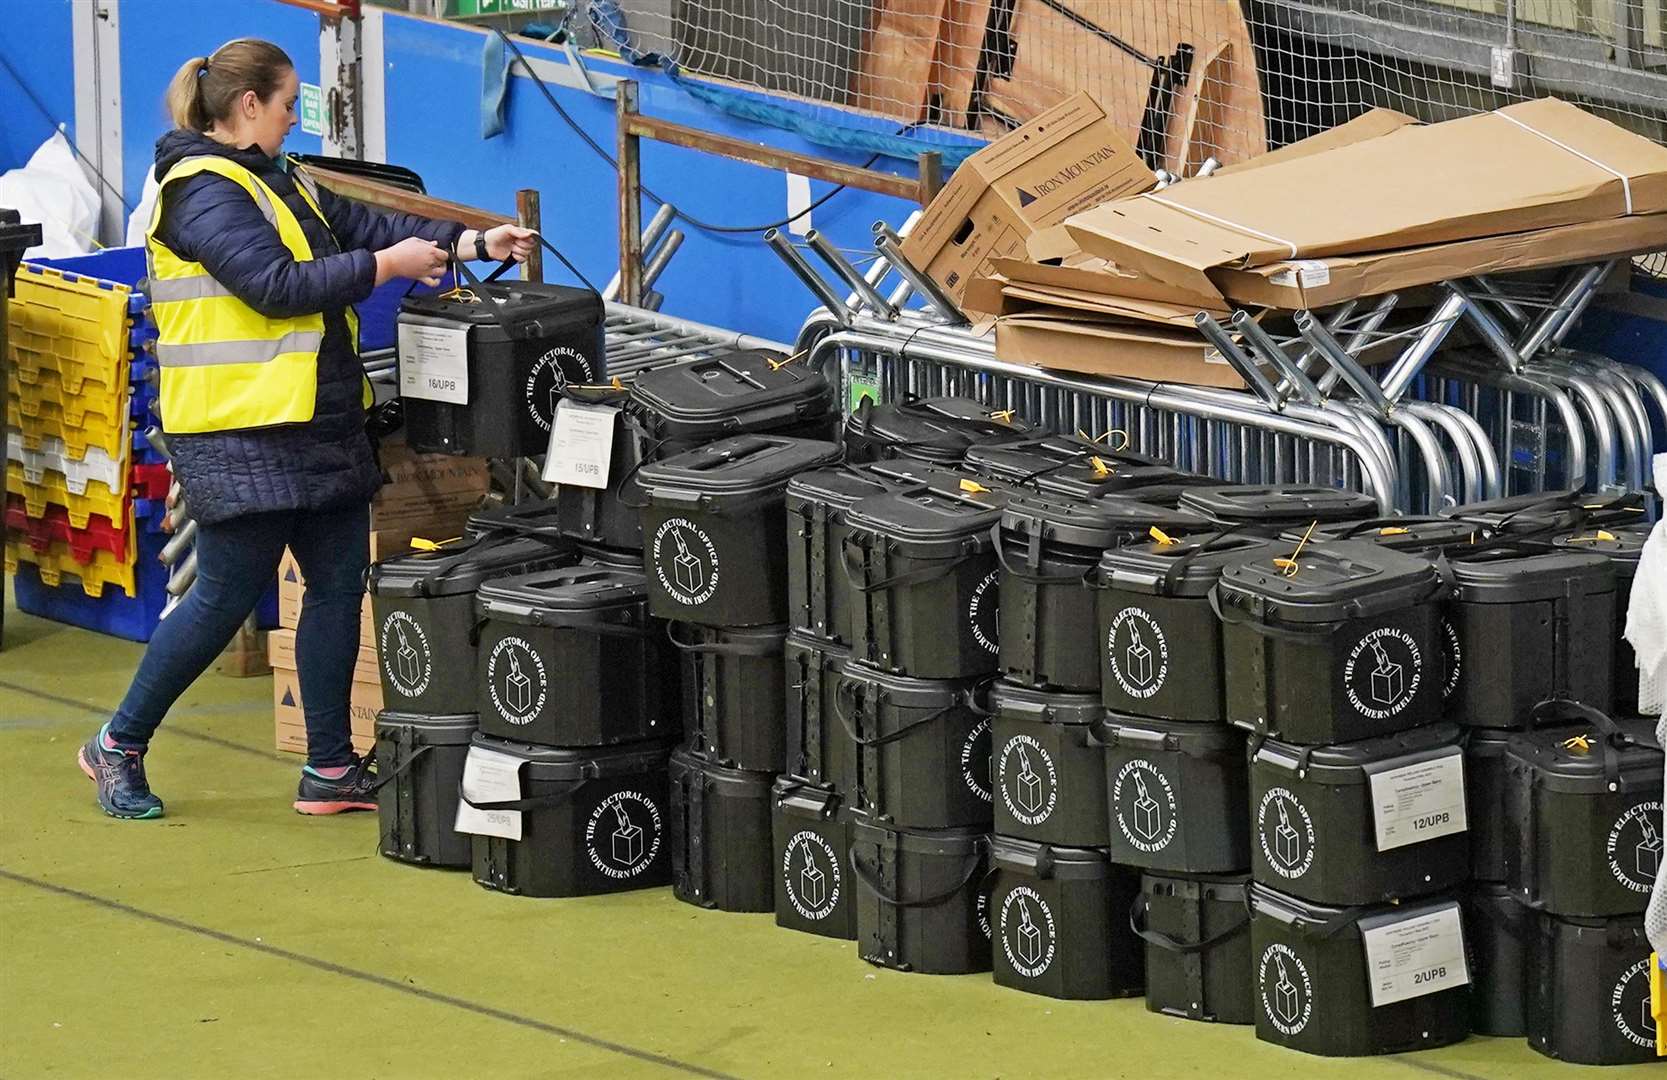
224 365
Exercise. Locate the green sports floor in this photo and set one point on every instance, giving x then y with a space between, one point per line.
234 938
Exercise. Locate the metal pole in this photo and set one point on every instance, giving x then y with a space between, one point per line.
805 273
891 247
841 266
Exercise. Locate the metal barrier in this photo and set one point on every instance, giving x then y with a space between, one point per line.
1353 398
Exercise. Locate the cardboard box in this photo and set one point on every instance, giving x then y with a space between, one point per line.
1321 282
1066 160
997 296
1532 166
290 722
1094 346
280 653
1368 125
426 494
292 590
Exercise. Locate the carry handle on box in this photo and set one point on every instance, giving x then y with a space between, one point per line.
869 879
1137 923
1614 738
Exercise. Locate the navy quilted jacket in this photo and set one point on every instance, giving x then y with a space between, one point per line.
327 462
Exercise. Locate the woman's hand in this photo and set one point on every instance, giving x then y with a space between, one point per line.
415 258
502 242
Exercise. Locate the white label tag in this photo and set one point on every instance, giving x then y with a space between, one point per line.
581 445
1419 802
490 777
434 362
1307 273
1413 955
1502 71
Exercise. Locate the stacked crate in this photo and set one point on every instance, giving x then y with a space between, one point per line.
84 490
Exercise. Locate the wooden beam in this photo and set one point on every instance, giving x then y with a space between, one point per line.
638 125
392 198
527 210
931 176
630 194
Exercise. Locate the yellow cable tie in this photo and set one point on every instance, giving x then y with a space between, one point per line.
1579 742
1290 565
1393 530
1099 466
973 487
1163 538
1005 416
777 365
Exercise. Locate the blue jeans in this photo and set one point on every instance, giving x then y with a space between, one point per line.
237 560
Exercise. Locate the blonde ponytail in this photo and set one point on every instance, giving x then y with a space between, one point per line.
207 88
185 99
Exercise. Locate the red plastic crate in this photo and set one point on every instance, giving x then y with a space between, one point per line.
42 532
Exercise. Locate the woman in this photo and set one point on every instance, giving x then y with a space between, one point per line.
253 271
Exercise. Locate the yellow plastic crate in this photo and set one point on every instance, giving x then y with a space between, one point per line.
46 420
70 327
57 563
75 406
52 489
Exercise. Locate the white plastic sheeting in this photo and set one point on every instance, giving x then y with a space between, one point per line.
51 189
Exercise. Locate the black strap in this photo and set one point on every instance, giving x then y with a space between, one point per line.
940 568
630 474
1084 579
755 647
532 803
383 781
512 534
861 424
881 740
1178 566
1137 923
1615 740
870 881
463 265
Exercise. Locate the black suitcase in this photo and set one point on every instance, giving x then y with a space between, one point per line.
720 835
715 528
1362 822
592 821
1049 549
1583 814
1056 917
1197 933
919 899
570 658
1047 766
423 608
1317 991
1346 647
523 342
